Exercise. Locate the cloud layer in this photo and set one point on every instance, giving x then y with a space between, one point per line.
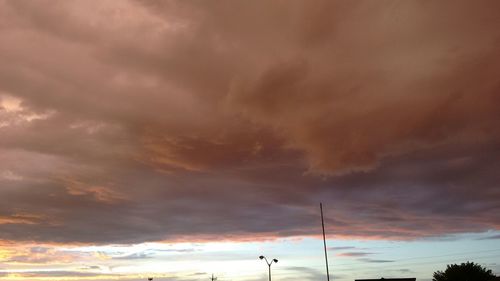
131 121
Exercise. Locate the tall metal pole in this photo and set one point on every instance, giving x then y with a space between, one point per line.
324 242
269 272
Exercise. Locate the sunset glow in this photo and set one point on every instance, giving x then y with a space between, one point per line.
180 139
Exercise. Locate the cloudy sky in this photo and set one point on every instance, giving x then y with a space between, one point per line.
177 139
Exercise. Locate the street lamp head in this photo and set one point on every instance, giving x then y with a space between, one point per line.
275 260
261 257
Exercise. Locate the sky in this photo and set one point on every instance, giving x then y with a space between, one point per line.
176 139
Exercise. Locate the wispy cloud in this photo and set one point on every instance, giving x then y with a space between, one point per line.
341 248
354 254
375 260
492 237
135 256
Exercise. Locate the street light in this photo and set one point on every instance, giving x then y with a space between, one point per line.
269 264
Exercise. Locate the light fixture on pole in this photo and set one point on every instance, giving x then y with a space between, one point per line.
269 264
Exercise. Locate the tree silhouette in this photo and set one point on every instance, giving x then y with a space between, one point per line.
468 271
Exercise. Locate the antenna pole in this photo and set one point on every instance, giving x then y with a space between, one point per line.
324 241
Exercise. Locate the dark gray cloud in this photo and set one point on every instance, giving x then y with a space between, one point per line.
375 260
354 254
135 256
342 248
199 274
135 121
490 237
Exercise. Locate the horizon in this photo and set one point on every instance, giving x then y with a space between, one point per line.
180 139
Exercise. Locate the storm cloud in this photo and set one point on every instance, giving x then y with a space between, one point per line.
133 121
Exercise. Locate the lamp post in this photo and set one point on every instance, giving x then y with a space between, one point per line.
269 264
